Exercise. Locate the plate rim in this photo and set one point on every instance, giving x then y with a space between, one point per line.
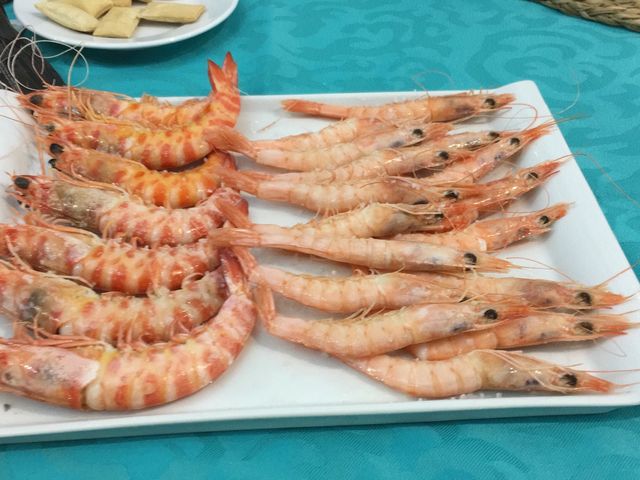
20 9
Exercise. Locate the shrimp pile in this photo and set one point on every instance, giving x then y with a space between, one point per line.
118 299
130 284
415 220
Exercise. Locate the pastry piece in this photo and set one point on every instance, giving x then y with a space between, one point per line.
172 12
95 8
68 16
119 22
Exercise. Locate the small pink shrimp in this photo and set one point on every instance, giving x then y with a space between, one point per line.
115 214
396 290
221 107
477 370
364 336
168 189
537 329
435 154
343 153
443 108
155 148
382 254
483 161
494 234
338 132
100 377
107 265
59 306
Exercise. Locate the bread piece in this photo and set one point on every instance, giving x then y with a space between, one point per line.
172 12
95 8
68 16
121 3
119 22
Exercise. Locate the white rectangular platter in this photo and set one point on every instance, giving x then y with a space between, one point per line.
277 384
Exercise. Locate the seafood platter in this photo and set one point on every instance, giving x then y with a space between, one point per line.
234 262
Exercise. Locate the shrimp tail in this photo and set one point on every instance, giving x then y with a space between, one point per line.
217 75
235 215
231 237
230 69
229 140
233 272
237 180
314 108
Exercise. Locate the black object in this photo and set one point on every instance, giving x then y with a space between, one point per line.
31 71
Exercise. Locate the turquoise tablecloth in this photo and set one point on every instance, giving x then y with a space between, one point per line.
324 46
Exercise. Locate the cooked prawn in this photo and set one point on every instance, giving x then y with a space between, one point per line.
343 153
100 377
390 162
221 107
443 108
396 290
494 234
537 329
477 370
155 148
107 265
116 214
168 189
59 306
386 332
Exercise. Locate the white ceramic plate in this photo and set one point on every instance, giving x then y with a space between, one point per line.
277 384
148 34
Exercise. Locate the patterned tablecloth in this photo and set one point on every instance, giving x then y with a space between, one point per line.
365 45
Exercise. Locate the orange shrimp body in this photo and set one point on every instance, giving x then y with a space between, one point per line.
537 329
495 234
382 254
115 214
390 331
477 370
108 265
342 153
63 307
444 108
221 107
396 290
155 148
104 378
435 154
167 189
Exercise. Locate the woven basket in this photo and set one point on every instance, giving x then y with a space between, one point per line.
619 13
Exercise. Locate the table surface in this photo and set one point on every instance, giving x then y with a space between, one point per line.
585 70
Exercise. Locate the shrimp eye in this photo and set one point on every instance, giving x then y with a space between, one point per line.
418 132
421 202
490 103
21 182
584 298
451 194
49 127
52 162
570 379
470 258
586 326
491 314
493 135
56 149
533 176
439 216
515 141
443 155
544 219
36 99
